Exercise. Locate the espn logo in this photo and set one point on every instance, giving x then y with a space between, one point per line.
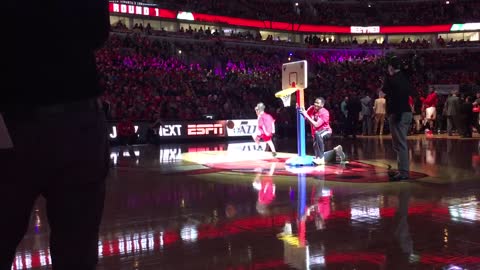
205 129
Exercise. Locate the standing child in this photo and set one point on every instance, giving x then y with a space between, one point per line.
265 128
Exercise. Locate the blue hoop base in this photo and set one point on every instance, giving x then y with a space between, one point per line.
300 161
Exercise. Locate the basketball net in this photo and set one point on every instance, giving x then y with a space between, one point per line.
286 100
286 95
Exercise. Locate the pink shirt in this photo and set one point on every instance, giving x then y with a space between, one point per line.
265 124
323 115
267 192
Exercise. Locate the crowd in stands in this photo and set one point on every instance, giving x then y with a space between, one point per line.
456 43
339 12
314 41
147 78
144 77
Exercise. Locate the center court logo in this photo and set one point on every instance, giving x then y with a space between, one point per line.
246 147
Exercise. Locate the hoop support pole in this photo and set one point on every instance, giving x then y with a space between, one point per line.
300 124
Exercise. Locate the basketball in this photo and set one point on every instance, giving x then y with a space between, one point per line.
230 124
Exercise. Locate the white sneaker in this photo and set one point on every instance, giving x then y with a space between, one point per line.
319 161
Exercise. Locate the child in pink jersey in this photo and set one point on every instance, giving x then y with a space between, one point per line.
265 128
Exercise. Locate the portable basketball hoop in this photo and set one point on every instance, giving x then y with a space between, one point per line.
294 80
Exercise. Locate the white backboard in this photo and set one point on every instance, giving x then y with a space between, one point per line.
294 72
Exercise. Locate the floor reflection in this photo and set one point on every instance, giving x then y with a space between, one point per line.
165 212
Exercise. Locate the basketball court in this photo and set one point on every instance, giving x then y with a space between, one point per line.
232 205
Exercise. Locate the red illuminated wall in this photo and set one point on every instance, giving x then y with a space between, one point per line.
149 11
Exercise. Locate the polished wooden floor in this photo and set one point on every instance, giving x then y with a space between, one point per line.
230 206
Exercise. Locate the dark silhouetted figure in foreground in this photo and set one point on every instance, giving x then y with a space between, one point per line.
57 128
